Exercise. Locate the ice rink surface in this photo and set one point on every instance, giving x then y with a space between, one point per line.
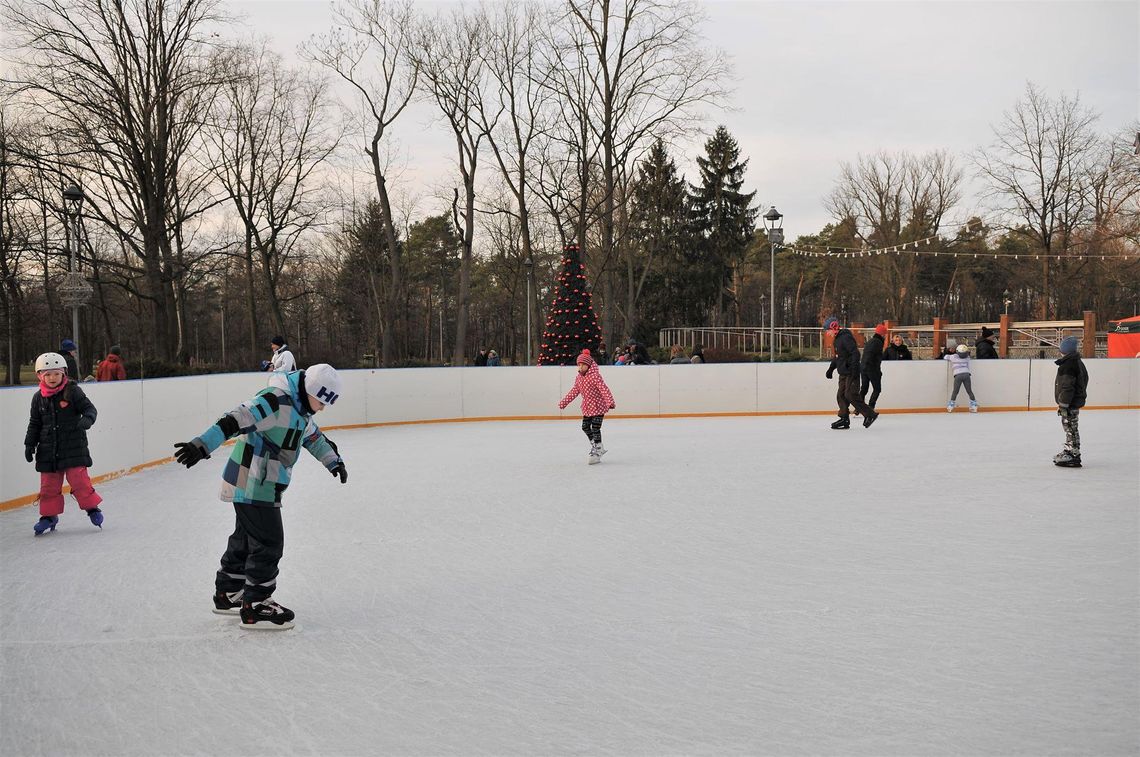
930 586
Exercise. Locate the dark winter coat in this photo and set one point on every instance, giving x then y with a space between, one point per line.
481 359
1071 382
872 362
72 367
984 350
902 352
846 359
58 429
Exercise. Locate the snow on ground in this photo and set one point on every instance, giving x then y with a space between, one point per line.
933 585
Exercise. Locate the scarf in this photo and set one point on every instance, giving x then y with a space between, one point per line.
47 391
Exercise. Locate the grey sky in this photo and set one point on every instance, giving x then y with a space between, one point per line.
821 82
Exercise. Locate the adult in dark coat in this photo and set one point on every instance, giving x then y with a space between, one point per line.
639 354
68 348
896 350
984 348
871 366
481 358
846 363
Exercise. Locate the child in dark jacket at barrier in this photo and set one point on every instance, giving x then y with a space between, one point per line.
1070 390
274 425
57 441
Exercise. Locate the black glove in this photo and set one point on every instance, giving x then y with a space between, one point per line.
340 470
85 422
189 453
829 372
29 452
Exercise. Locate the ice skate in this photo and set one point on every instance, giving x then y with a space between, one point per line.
1068 459
950 406
868 420
228 603
601 450
45 523
595 457
973 406
842 423
96 516
266 615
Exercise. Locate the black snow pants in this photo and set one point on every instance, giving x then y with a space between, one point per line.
848 394
254 549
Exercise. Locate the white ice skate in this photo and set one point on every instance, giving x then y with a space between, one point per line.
973 406
601 450
950 406
595 456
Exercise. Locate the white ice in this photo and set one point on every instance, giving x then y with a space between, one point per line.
933 585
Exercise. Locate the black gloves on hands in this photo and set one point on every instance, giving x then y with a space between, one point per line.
829 372
85 422
29 452
189 453
340 470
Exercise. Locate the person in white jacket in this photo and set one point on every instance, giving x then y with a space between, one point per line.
282 359
960 361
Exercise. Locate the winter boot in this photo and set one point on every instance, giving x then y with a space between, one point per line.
595 457
842 423
950 406
1068 459
228 603
96 516
45 523
266 615
973 406
867 421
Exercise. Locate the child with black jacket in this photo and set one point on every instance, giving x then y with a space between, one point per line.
1069 390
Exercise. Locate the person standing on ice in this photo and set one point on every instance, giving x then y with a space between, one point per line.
1069 390
596 402
960 360
56 440
274 425
871 366
846 362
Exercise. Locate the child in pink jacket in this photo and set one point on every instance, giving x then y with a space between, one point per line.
596 402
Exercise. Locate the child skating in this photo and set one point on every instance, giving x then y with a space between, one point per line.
960 361
1069 390
274 425
596 402
57 441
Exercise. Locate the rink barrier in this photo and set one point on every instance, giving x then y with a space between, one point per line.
139 421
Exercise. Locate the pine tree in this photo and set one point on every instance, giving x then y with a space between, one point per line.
723 216
572 325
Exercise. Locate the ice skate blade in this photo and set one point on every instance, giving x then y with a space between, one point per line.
594 460
266 625
234 611
1068 465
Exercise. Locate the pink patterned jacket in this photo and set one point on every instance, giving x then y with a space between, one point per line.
596 397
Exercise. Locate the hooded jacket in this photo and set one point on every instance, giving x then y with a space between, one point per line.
111 369
596 397
846 359
872 362
896 352
984 349
1069 388
274 425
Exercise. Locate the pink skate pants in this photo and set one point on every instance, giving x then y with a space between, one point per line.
51 490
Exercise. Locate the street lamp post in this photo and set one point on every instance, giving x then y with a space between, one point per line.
763 299
529 264
74 292
773 222
1006 300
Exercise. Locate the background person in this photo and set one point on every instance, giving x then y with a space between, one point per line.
112 367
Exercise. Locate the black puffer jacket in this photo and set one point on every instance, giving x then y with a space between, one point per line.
846 359
1069 388
984 350
872 363
896 352
56 430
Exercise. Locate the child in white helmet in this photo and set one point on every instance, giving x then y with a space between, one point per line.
960 362
273 427
56 441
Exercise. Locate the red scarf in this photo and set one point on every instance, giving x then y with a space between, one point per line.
47 391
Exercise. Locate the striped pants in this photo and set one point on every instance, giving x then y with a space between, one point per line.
592 427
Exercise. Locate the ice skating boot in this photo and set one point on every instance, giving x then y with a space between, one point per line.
843 423
950 406
1068 459
228 603
266 615
594 457
601 450
45 523
973 406
96 516
869 419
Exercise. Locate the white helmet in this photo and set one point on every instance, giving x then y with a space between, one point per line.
323 382
51 361
963 349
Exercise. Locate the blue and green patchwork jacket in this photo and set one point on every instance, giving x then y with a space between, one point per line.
275 427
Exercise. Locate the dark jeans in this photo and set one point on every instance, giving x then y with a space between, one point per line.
253 551
848 394
871 380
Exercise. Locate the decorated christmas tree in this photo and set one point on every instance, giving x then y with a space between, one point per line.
572 325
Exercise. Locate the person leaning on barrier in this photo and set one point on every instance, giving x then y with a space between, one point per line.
896 350
984 348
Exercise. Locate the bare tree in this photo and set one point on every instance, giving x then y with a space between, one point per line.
369 50
1037 169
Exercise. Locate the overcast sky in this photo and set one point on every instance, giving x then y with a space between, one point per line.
821 82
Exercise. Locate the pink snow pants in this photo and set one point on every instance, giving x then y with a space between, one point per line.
51 490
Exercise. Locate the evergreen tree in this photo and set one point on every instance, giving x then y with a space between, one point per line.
571 325
723 216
